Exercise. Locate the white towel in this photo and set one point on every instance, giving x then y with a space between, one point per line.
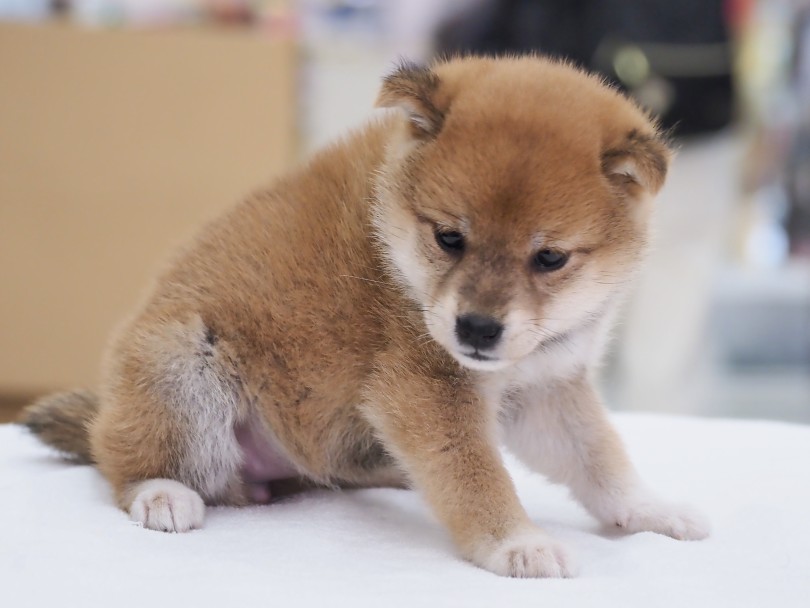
64 543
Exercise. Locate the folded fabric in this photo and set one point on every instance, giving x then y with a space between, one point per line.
63 542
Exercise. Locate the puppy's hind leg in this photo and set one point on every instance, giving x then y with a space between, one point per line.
164 435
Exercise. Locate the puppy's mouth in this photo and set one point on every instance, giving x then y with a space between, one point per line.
478 361
479 357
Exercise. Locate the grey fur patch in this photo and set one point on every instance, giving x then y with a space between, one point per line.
199 386
369 457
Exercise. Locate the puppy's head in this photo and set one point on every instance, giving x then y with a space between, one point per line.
514 200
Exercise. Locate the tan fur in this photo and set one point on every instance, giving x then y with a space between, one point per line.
319 311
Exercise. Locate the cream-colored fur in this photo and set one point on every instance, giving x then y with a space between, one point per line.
165 505
439 281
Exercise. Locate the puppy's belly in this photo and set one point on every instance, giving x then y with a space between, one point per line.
263 462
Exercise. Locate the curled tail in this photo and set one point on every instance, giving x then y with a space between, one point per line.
63 421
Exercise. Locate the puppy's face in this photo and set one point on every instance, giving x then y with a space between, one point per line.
513 209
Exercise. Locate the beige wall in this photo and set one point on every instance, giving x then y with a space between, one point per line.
113 145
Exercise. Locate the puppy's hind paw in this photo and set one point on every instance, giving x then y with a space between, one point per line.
530 554
166 505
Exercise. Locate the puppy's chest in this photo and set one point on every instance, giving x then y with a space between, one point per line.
543 368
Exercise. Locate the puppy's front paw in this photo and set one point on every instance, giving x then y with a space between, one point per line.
166 505
651 515
530 554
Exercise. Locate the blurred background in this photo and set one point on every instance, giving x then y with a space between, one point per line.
125 123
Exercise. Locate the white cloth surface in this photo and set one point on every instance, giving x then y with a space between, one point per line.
64 543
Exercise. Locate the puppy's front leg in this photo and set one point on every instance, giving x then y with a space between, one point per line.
442 435
564 432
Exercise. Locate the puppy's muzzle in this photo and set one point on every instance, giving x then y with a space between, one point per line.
479 331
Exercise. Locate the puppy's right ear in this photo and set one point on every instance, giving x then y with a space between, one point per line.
413 89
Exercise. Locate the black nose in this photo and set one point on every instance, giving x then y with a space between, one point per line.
478 331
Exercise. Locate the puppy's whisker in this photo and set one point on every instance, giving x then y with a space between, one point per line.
351 276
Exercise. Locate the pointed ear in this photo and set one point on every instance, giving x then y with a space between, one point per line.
638 164
413 88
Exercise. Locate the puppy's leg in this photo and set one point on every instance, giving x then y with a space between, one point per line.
444 439
564 433
164 435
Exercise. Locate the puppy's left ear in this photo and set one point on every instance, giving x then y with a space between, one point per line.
413 89
638 165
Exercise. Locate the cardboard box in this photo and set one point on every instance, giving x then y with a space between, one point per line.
114 145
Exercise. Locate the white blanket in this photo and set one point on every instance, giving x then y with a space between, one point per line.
64 543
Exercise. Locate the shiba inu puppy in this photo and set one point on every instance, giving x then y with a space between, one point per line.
439 282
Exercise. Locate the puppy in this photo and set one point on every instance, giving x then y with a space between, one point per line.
436 283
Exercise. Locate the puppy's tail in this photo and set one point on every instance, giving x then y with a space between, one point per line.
63 421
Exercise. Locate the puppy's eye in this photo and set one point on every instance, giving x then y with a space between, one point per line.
450 241
547 260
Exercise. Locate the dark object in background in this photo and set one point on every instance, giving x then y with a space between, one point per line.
797 171
675 57
798 184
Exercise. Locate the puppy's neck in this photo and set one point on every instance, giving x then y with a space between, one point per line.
561 359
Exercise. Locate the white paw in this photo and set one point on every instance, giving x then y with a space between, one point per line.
530 554
651 515
166 505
